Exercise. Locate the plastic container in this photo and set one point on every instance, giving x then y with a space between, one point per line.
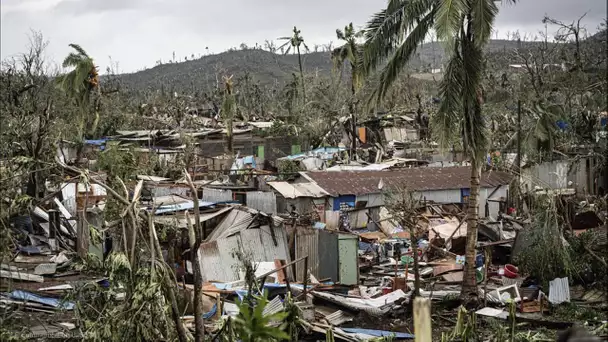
511 271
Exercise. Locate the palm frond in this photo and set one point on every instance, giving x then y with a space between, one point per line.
387 28
71 60
79 49
475 137
483 13
450 90
402 55
449 20
340 34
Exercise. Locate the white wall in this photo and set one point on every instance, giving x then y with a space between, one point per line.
452 196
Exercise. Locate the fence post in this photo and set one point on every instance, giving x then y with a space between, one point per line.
422 320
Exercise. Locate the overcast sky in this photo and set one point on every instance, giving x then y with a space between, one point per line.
136 33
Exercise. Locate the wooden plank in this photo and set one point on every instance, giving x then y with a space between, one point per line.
82 236
21 276
422 320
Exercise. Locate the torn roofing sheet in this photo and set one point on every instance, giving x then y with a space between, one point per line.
376 306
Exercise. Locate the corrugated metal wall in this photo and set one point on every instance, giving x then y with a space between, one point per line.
217 261
216 195
548 175
262 201
307 243
328 255
257 243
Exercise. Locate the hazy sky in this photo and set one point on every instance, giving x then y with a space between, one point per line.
136 33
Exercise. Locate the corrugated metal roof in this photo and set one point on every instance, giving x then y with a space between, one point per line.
273 307
296 190
337 318
181 222
182 206
415 179
231 224
559 291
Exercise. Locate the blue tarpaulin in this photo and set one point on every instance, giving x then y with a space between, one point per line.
30 297
211 313
378 333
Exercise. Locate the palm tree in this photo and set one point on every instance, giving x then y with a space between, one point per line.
350 52
393 35
295 42
80 84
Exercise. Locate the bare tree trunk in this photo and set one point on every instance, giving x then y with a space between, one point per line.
469 285
182 333
301 76
196 265
414 242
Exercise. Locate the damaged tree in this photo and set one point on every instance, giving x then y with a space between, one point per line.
405 209
140 282
227 113
466 27
351 52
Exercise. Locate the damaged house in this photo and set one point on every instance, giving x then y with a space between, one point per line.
363 191
257 236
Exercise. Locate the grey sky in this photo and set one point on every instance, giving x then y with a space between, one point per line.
136 33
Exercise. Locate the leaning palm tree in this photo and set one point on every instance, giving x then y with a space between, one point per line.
393 36
81 82
295 41
350 52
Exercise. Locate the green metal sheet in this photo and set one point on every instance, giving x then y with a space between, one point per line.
348 246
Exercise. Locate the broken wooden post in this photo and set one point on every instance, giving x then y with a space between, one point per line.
82 236
422 320
305 276
53 229
284 269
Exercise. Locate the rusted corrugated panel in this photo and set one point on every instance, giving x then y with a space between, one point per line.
307 243
415 179
216 195
262 201
210 261
217 262
258 243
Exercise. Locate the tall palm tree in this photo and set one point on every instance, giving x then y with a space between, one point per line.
393 36
351 52
81 82
295 41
